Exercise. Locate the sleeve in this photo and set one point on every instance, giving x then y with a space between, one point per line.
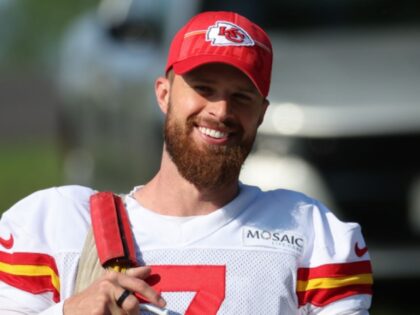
34 236
335 274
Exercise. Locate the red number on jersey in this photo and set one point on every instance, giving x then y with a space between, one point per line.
207 280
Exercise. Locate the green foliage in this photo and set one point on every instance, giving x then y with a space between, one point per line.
39 26
25 168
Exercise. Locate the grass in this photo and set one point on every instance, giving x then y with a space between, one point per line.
25 168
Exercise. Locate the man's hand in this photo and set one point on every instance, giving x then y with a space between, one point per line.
100 298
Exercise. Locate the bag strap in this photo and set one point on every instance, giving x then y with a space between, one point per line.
109 242
112 231
89 268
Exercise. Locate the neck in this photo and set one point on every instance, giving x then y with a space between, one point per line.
169 193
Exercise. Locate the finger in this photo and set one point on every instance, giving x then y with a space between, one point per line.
141 272
126 301
144 292
122 297
134 281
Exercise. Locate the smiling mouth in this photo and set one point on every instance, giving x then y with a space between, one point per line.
216 134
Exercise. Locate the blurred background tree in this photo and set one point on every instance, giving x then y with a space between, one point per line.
33 28
29 44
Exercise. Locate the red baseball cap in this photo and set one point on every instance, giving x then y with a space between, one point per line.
225 37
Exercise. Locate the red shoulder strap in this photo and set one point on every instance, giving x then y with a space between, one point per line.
112 231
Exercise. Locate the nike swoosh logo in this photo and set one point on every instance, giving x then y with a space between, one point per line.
360 251
7 243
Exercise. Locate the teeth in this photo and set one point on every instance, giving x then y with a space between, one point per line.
213 133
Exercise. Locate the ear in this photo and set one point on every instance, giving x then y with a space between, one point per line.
264 105
162 92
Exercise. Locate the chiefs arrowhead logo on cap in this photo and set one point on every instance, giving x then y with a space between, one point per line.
228 34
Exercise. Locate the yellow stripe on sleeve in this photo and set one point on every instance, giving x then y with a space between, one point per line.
31 270
329 283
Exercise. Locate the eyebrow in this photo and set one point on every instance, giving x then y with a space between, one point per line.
252 90
198 79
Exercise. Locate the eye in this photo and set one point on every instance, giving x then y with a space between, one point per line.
203 89
243 97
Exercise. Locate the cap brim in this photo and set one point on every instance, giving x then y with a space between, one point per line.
186 65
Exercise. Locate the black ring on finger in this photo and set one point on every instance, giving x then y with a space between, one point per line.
122 297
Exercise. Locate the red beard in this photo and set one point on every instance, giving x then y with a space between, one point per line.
209 167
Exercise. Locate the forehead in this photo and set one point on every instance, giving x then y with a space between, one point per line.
222 73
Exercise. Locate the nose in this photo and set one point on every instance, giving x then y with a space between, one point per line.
220 109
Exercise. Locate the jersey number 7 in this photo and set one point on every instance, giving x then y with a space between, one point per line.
208 281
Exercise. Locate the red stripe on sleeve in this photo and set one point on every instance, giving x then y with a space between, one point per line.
335 270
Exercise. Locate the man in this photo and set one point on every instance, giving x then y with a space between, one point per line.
211 244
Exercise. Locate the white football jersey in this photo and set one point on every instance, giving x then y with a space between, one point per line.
276 252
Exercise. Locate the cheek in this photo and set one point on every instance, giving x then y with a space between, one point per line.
187 104
251 120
